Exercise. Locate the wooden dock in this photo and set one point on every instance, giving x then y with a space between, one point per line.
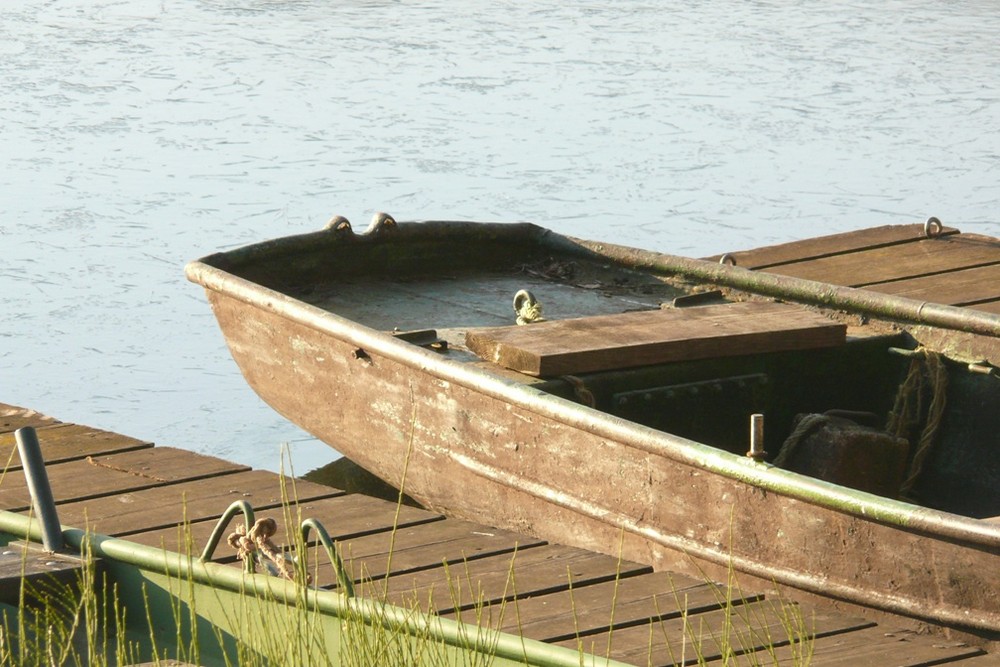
947 267
124 487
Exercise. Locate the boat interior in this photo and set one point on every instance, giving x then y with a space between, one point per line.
875 412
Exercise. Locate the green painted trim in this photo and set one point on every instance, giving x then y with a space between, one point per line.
171 564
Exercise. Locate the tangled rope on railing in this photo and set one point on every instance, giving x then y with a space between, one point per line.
927 371
258 539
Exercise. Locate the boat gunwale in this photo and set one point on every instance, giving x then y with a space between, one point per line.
889 307
974 532
168 563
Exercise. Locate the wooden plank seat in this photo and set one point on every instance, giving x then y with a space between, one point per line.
607 342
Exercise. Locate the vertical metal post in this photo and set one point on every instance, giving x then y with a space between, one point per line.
757 452
38 486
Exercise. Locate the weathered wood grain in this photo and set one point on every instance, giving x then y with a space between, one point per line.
423 547
114 474
595 607
834 244
20 562
13 417
956 288
747 628
880 646
344 516
168 506
988 307
66 442
534 571
880 265
605 342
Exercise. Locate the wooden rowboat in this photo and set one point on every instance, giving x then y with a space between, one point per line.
621 423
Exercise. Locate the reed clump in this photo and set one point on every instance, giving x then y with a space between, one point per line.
91 623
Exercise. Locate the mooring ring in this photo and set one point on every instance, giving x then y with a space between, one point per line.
933 227
380 222
339 224
728 258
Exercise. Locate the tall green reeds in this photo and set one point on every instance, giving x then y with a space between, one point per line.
112 615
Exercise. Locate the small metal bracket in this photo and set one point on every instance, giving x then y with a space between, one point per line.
980 367
984 368
697 299
423 338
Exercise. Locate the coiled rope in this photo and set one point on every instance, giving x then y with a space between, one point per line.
527 308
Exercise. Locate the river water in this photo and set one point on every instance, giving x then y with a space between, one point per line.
139 134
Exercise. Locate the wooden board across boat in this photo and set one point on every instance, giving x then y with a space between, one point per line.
621 422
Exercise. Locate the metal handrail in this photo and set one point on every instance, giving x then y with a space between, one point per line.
331 551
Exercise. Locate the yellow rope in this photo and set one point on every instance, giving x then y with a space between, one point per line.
527 308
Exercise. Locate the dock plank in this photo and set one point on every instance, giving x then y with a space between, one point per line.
911 260
170 505
343 516
833 244
487 581
989 307
747 628
68 442
410 549
584 610
13 417
114 474
956 288
876 647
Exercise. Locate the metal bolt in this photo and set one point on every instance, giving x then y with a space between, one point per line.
757 452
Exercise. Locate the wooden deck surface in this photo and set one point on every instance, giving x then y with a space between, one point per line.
951 268
125 487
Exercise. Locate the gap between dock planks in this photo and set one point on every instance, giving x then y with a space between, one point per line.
162 496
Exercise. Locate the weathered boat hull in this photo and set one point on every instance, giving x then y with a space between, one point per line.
477 444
